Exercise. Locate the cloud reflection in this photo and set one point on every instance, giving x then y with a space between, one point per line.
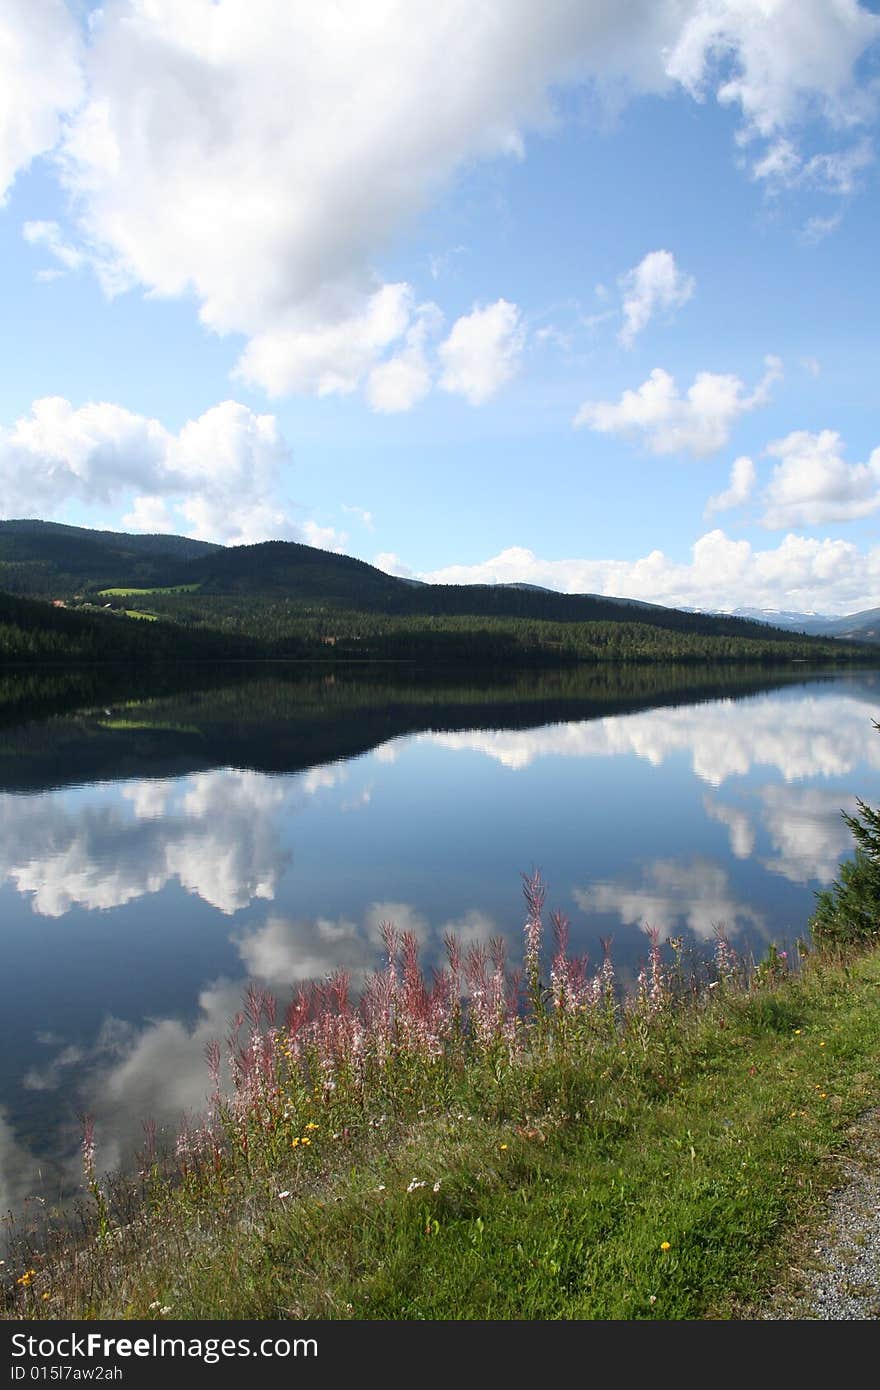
672 894
804 736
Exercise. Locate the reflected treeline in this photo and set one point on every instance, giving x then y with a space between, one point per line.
92 726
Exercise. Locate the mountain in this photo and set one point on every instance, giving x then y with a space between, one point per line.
47 559
263 591
855 627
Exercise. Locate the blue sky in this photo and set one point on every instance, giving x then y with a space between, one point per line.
578 294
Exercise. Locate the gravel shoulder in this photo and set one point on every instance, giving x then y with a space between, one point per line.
834 1272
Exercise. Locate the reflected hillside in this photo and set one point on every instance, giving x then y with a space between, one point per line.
73 729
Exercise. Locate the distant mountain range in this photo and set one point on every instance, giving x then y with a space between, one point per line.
856 627
43 559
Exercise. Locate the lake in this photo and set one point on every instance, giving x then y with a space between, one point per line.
160 848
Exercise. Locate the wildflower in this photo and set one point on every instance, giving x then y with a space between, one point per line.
27 1278
283 1194
294 1143
502 1146
796 1031
311 1125
664 1245
823 1095
437 1185
305 1140
415 1184
45 1296
821 1044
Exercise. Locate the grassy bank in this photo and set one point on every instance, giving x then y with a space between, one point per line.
573 1158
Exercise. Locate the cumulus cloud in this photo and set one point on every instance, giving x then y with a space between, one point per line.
211 154
50 236
655 285
215 479
392 564
801 573
482 352
780 63
324 356
739 490
400 382
698 423
830 172
40 79
671 894
812 484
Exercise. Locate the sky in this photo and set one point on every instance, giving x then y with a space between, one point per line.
580 294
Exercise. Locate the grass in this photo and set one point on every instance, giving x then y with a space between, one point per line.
582 1163
170 589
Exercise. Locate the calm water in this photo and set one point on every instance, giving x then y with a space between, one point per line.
155 854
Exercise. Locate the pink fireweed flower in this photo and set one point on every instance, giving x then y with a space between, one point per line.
88 1147
534 894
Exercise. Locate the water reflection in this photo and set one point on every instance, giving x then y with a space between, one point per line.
216 834
672 894
153 856
723 740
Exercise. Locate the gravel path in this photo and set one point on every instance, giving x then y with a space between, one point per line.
837 1274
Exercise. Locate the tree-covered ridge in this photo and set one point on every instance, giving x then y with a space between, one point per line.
214 628
34 631
257 589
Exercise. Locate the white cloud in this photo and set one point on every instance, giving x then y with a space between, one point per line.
150 515
655 285
742 480
482 351
834 171
812 485
698 422
327 356
392 564
812 365
781 61
216 479
401 381
670 894
49 235
262 155
801 573
365 517
816 229
40 79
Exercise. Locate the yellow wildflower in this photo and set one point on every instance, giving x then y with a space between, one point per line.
664 1245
